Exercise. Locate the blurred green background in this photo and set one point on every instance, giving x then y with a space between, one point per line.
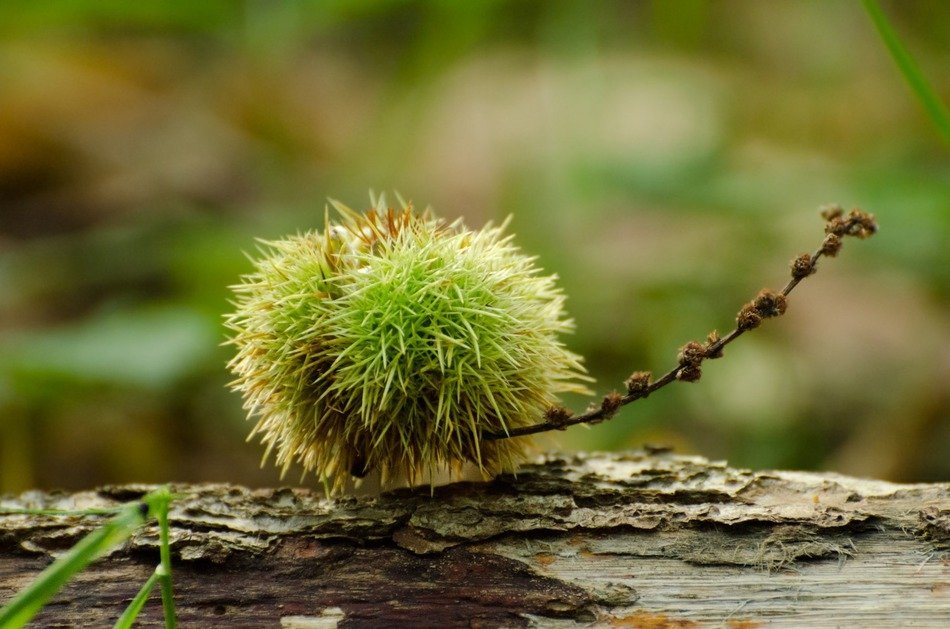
665 158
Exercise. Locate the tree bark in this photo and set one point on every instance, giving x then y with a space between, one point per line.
642 539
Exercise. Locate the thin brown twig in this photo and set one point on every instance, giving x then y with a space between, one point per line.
767 304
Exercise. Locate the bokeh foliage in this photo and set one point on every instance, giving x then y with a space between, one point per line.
664 158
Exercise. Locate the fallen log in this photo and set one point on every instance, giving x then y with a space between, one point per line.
640 539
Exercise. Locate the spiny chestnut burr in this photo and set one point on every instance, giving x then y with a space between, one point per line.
392 340
398 343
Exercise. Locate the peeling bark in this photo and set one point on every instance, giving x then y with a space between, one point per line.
636 539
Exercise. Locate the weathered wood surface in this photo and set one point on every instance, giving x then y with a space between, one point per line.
634 540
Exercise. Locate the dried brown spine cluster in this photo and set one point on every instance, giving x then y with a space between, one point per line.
767 304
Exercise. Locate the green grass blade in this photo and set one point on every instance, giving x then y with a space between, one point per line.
159 505
910 70
21 609
135 607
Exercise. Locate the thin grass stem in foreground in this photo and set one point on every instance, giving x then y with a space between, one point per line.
909 68
135 607
162 499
